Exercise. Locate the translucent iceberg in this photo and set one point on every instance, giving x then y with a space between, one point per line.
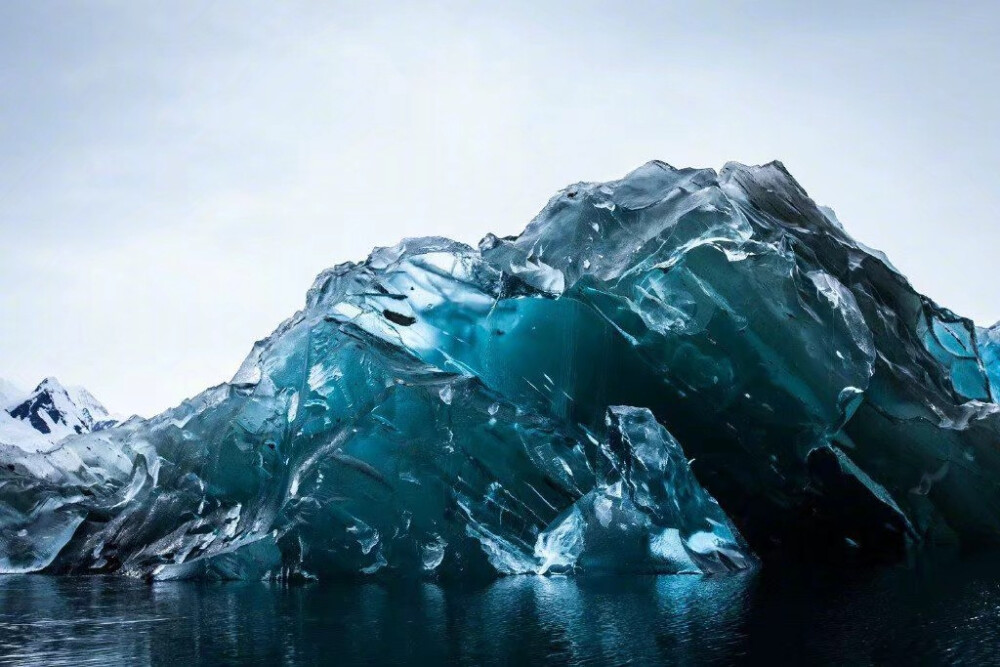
441 409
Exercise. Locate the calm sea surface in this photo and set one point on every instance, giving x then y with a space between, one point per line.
944 612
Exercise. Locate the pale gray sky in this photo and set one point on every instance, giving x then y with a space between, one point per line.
173 175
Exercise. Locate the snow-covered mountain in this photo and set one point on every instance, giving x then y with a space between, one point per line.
38 420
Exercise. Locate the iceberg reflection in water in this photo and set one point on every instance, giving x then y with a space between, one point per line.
941 613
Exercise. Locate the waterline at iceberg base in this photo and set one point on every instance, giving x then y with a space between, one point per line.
680 371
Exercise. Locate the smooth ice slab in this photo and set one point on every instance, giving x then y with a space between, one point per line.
646 512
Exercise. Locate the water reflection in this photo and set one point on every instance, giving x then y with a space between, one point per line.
925 614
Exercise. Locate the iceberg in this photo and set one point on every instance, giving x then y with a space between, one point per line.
681 371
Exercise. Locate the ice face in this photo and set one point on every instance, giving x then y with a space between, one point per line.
646 513
448 410
988 341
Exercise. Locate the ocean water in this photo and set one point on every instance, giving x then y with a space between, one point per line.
947 611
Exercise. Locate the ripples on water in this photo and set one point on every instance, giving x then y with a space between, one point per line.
947 612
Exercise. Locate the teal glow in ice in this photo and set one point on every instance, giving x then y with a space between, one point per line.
988 341
531 406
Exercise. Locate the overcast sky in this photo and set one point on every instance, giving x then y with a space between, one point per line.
173 175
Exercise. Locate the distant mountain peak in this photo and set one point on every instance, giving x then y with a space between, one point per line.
54 411
50 382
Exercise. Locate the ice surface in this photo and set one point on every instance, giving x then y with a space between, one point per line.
446 410
646 513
